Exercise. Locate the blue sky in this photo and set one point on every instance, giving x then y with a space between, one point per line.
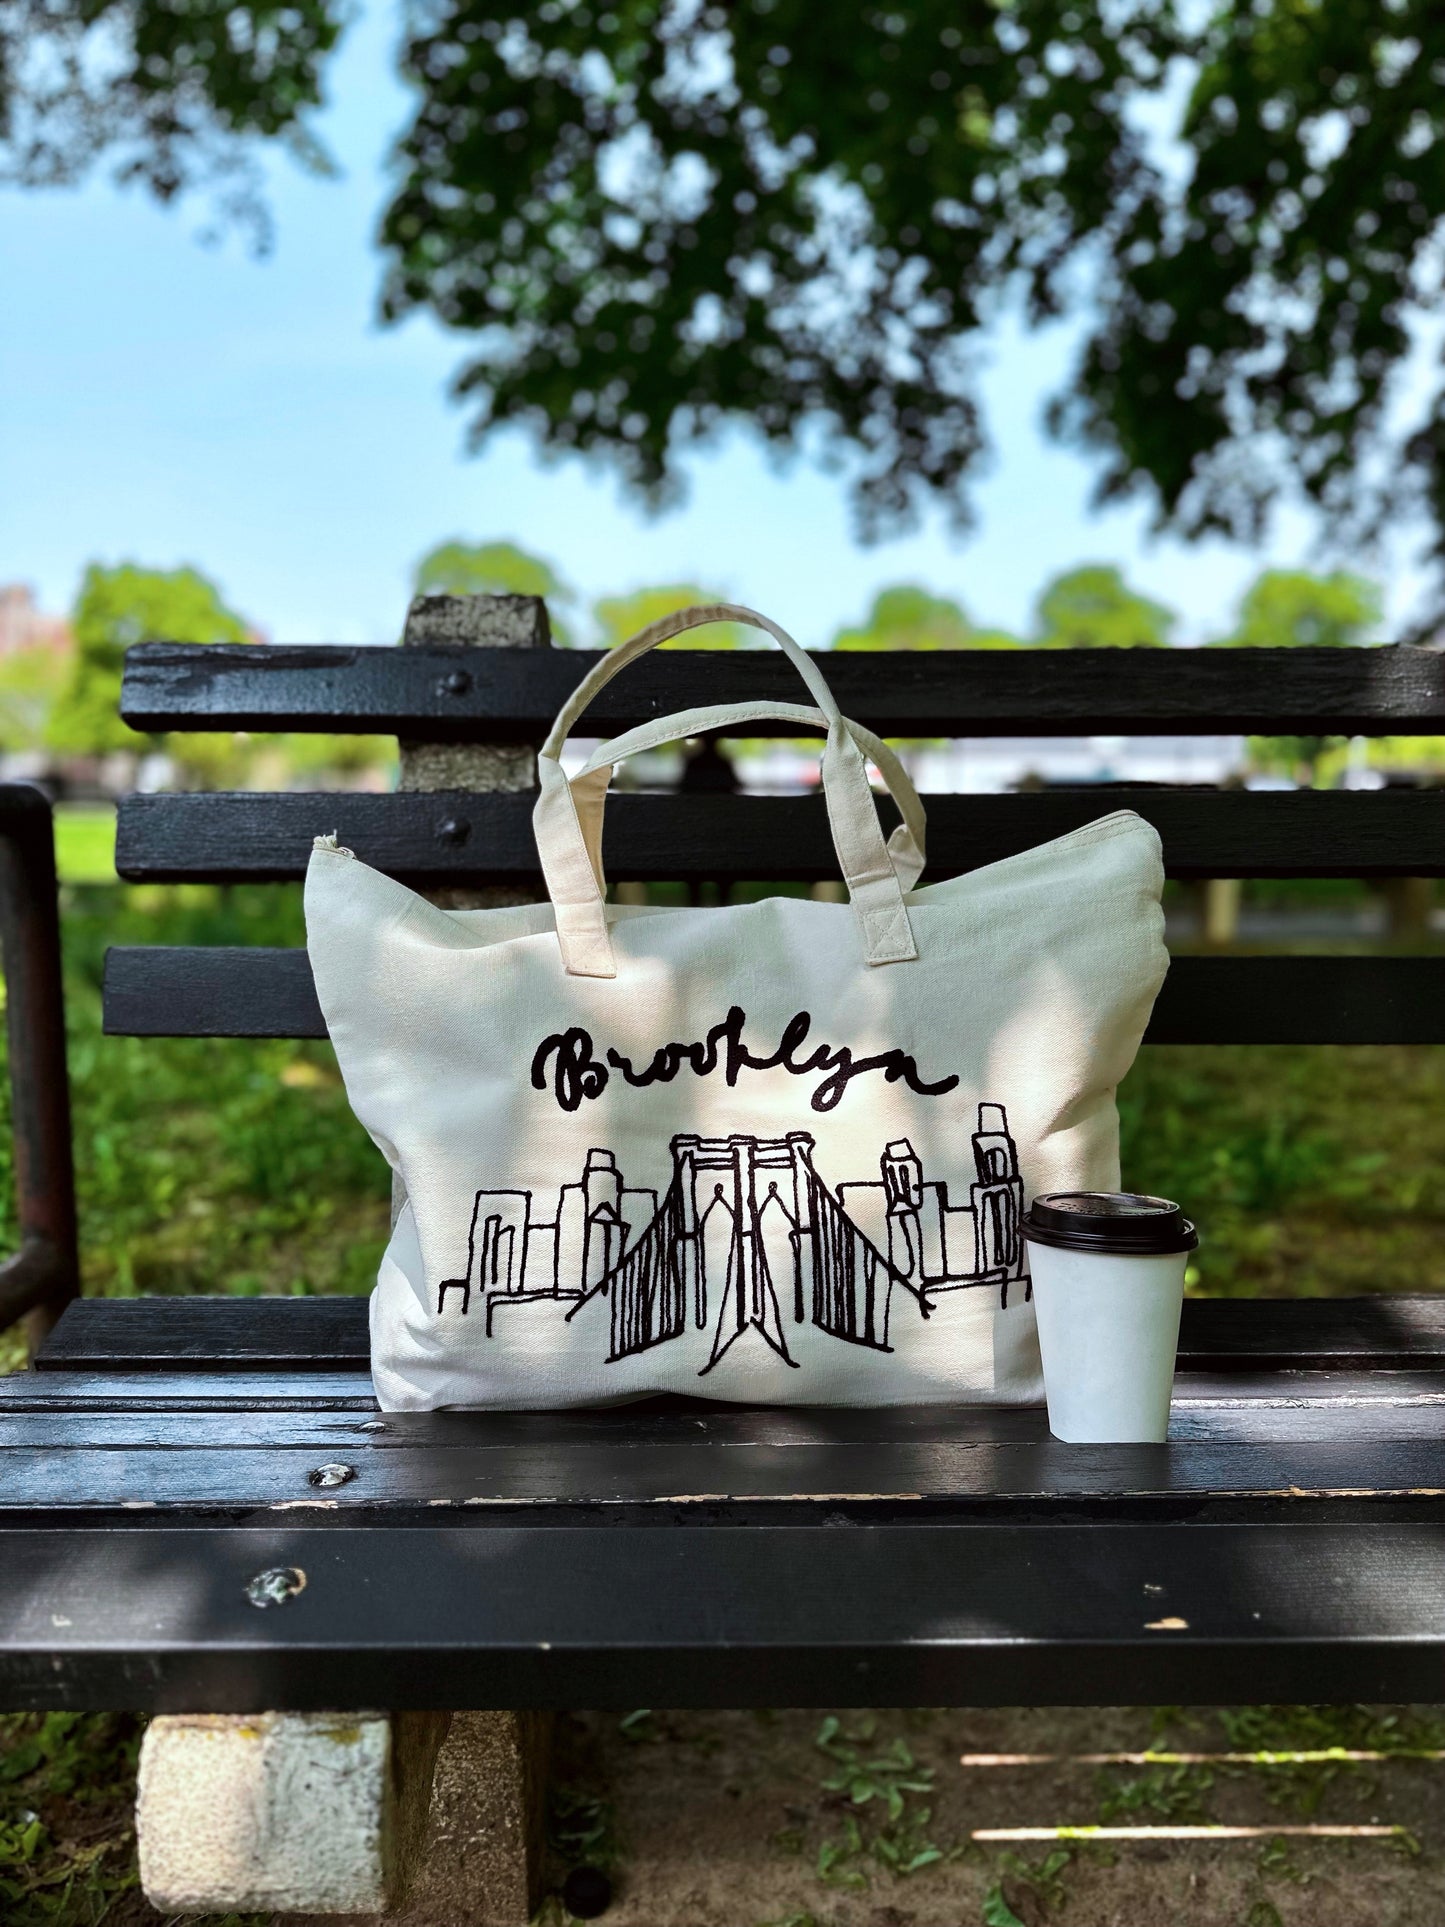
164 401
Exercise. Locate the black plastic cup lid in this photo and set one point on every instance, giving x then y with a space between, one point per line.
1116 1223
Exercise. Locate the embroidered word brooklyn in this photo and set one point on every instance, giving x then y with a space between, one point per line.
569 1061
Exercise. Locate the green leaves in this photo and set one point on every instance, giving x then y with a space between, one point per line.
1261 298
115 608
886 1778
833 1856
648 220
907 617
1288 608
619 617
172 92
1043 1880
1168 1794
66 1784
885 1783
1043 1876
22 1760
904 1859
1091 608
72 1750
996 1910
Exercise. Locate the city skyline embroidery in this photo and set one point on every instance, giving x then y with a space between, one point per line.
747 1238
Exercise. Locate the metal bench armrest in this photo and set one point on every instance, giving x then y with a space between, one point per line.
44 1274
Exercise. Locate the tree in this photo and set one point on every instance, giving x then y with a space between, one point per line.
1258 307
647 220
124 605
30 684
175 92
1284 608
620 617
1290 607
907 617
657 217
1092 608
492 568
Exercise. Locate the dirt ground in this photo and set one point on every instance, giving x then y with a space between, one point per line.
806 1819
783 1820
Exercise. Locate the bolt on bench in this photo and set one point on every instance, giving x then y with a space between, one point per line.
172 1542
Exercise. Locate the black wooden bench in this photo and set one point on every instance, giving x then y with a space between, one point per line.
1288 1543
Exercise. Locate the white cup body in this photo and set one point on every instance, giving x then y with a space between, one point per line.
1108 1332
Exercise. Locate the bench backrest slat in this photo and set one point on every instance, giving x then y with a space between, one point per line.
504 695
459 837
159 991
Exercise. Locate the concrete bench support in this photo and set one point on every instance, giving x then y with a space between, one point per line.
480 1863
298 1812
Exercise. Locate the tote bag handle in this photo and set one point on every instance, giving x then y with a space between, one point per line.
568 817
589 786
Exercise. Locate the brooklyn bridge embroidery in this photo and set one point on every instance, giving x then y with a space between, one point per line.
748 1237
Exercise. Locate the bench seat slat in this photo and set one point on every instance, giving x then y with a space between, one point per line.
111 1401
513 694
181 991
716 1476
461 837
157 1617
1238 1408
293 1335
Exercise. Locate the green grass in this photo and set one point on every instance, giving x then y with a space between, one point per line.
208 1165
66 1853
1312 1171
85 843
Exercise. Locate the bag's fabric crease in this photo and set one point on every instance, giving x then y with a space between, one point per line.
767 1152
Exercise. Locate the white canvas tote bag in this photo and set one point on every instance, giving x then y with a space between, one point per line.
774 1151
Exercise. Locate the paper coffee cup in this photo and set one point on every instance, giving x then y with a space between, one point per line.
1108 1280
